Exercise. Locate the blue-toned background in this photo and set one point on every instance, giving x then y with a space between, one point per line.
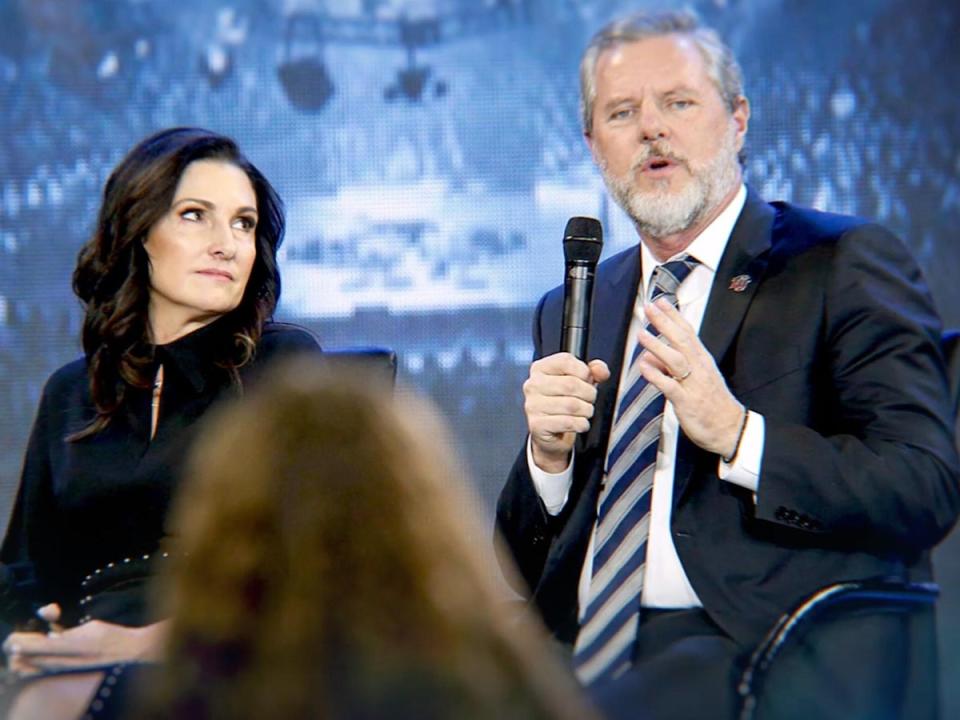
429 153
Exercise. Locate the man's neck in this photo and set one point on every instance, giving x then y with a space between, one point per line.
666 247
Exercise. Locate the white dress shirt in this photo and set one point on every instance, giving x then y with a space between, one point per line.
665 582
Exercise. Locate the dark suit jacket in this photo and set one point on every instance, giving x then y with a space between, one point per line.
835 342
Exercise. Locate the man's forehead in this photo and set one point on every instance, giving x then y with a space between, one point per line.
659 57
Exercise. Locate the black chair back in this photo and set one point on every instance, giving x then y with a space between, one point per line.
380 362
950 344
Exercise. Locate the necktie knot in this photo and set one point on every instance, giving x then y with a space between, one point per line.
668 277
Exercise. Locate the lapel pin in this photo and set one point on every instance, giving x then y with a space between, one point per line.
739 283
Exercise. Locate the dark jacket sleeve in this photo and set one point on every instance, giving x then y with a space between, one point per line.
279 341
30 551
882 470
523 524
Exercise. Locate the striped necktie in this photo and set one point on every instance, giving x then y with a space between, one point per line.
604 645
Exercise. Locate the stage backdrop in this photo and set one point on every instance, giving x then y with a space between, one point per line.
429 153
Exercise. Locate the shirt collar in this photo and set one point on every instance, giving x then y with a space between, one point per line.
708 246
193 354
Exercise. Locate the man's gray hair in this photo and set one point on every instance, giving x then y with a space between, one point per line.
722 66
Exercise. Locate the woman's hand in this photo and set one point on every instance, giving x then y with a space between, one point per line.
91 644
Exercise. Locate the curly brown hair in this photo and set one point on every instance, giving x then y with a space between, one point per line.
331 570
112 277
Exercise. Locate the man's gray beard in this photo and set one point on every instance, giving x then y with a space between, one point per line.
660 213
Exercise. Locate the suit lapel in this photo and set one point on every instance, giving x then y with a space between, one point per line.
743 263
739 274
746 254
615 290
612 311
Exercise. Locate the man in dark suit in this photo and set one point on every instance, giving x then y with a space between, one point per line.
774 421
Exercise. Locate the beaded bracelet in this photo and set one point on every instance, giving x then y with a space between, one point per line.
736 448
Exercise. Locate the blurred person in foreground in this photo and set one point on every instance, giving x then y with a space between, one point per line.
328 570
765 411
179 282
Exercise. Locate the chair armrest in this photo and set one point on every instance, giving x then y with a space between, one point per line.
881 594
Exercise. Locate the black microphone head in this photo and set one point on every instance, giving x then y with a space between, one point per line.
583 240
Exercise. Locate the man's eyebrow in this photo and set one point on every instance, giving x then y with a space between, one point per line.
676 90
618 100
682 90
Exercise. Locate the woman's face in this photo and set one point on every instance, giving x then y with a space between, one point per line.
202 250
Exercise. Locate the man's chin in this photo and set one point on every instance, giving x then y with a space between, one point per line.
659 187
655 196
661 215
658 228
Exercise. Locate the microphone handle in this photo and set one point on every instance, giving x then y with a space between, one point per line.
578 293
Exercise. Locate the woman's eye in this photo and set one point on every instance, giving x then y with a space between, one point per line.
193 215
245 223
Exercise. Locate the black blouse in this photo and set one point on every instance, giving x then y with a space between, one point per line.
89 515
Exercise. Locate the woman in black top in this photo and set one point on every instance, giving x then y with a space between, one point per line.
178 283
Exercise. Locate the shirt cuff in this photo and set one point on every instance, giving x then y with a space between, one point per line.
553 488
745 468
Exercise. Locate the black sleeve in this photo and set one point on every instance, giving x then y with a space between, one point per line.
30 551
886 475
523 525
280 341
286 339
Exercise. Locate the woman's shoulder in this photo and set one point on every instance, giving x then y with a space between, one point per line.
65 399
279 341
67 380
286 337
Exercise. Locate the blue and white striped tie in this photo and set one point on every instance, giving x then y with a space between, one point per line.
604 646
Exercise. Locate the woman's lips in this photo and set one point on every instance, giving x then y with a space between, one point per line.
217 274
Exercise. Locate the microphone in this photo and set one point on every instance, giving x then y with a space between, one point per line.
582 244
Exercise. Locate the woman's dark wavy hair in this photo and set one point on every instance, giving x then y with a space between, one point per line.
112 277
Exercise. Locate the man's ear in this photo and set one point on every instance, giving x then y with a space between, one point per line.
741 116
588 139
